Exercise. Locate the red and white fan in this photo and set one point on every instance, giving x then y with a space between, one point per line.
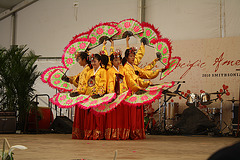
77 45
95 102
128 27
101 32
149 35
102 109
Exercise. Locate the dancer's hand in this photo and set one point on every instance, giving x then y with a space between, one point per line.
127 38
150 83
140 91
104 42
65 78
74 94
156 59
112 42
127 41
163 69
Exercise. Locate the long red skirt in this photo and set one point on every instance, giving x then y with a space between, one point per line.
125 122
87 125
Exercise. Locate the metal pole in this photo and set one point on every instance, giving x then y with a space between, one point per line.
222 18
141 10
13 28
220 123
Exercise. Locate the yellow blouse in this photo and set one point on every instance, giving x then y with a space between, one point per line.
145 74
127 82
109 65
131 71
139 55
150 65
100 82
79 80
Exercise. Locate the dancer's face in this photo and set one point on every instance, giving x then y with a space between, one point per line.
116 62
81 61
131 58
95 63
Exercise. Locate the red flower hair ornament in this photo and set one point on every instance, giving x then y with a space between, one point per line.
132 50
101 53
117 53
91 57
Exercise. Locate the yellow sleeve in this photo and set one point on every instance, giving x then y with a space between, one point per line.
102 84
111 50
74 80
130 82
105 50
139 55
110 81
150 65
143 83
147 74
82 83
109 65
139 82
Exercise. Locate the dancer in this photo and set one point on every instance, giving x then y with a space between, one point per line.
104 53
129 63
94 125
119 81
137 74
79 81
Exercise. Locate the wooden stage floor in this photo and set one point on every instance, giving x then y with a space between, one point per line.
154 147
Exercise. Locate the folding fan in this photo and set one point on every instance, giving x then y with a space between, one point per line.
149 35
101 32
145 98
164 51
80 36
55 81
95 102
172 66
64 100
53 99
48 72
128 27
161 86
77 45
102 109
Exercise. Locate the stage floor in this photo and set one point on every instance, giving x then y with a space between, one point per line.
154 147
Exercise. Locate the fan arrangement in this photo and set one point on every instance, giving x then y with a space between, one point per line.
145 32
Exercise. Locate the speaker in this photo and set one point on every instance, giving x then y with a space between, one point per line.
62 124
194 121
7 122
235 117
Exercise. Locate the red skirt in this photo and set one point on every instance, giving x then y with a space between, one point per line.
125 122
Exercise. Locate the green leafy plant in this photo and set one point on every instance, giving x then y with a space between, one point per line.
18 73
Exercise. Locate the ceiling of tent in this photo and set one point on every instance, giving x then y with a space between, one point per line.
8 4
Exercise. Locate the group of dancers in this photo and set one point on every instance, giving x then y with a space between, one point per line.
110 73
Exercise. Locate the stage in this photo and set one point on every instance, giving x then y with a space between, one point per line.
154 147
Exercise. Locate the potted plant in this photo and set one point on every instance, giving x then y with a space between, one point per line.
17 77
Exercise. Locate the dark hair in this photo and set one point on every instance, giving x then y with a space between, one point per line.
104 60
112 57
127 52
124 60
84 55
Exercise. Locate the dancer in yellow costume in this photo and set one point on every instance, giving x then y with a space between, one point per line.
137 73
119 81
96 79
79 81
